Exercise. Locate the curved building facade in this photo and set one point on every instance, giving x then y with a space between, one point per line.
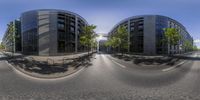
51 32
145 33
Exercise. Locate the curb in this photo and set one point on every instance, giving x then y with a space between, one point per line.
163 70
39 76
173 67
42 77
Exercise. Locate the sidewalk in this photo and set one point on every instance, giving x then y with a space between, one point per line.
48 59
145 60
11 54
57 59
48 67
156 56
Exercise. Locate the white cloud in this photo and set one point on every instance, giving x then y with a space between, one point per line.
197 41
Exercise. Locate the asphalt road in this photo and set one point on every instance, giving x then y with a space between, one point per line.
106 79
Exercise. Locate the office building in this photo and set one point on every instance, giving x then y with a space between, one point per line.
12 37
51 32
145 34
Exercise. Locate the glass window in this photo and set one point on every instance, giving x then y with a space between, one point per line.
61 46
61 26
132 24
72 29
61 20
132 28
72 23
140 27
140 22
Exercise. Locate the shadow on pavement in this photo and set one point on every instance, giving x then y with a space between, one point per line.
162 60
154 79
44 67
9 57
156 61
187 58
158 78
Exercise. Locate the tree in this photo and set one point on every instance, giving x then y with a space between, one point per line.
11 36
187 45
94 44
87 36
171 37
108 44
195 48
122 36
113 42
2 46
119 39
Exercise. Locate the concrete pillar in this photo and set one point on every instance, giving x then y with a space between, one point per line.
128 36
76 34
14 40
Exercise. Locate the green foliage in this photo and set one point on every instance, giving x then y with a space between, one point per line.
115 42
2 46
172 36
11 35
122 34
11 30
108 43
94 43
195 48
119 39
187 45
87 36
84 41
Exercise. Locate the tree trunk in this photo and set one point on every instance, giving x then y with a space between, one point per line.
168 45
118 49
12 50
89 52
122 53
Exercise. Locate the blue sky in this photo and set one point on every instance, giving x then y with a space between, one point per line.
106 13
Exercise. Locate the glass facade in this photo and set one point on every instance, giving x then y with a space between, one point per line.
51 32
61 29
30 41
146 34
80 25
161 23
66 33
136 35
165 22
14 44
29 32
18 42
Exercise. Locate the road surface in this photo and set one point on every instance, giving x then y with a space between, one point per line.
106 79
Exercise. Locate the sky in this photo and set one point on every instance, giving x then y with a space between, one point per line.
106 13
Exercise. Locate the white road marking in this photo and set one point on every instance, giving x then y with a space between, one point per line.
170 68
119 64
167 69
115 59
